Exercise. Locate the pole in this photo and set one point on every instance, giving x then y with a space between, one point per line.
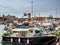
56 12
32 8
39 14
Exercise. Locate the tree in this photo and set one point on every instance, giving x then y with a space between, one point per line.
58 35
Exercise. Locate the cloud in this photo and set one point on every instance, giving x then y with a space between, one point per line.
17 7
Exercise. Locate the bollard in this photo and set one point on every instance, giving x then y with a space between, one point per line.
19 40
11 39
27 41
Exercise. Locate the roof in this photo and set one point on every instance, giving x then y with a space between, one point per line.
19 29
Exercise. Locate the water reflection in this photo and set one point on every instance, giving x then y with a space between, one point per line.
8 43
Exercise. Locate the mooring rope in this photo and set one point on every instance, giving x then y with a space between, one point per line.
48 41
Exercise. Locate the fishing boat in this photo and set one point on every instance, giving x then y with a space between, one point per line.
28 34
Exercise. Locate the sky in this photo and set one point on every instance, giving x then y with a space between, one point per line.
40 7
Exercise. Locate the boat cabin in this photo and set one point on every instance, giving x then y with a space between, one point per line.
27 32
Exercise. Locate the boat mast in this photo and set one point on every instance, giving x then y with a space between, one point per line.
56 13
32 8
39 14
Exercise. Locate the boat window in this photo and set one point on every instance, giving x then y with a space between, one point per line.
31 31
15 31
59 28
51 28
36 31
7 24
